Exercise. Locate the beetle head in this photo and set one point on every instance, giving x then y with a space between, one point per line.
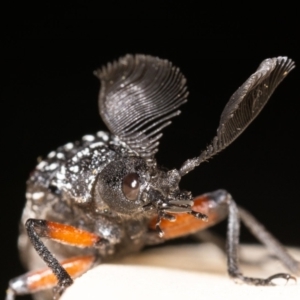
132 185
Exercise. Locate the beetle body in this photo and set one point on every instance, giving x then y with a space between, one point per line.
105 196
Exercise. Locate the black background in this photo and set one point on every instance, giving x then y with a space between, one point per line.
49 97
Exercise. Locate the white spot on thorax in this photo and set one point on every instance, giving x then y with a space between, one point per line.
68 146
102 135
88 138
37 196
60 155
74 169
41 165
60 176
53 166
95 145
51 154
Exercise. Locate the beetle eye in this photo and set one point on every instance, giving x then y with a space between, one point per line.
131 186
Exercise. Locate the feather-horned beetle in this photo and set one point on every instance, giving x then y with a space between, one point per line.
107 196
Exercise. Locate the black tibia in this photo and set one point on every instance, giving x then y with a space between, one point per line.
233 231
272 244
36 229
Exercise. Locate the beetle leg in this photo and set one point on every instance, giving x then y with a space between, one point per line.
35 281
233 231
217 205
266 238
61 233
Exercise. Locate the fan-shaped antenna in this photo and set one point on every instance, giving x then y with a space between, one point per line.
243 107
139 95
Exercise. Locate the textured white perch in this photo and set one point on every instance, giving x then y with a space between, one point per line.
182 272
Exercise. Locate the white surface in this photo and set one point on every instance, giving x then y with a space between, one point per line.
182 272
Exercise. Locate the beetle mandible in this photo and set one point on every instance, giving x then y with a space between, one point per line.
105 195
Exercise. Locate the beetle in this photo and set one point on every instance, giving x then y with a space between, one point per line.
105 196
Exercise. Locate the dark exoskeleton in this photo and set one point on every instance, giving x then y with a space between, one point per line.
105 196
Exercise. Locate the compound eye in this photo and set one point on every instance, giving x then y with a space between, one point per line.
131 186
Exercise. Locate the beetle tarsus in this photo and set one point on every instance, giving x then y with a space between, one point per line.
157 227
199 215
285 276
261 281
